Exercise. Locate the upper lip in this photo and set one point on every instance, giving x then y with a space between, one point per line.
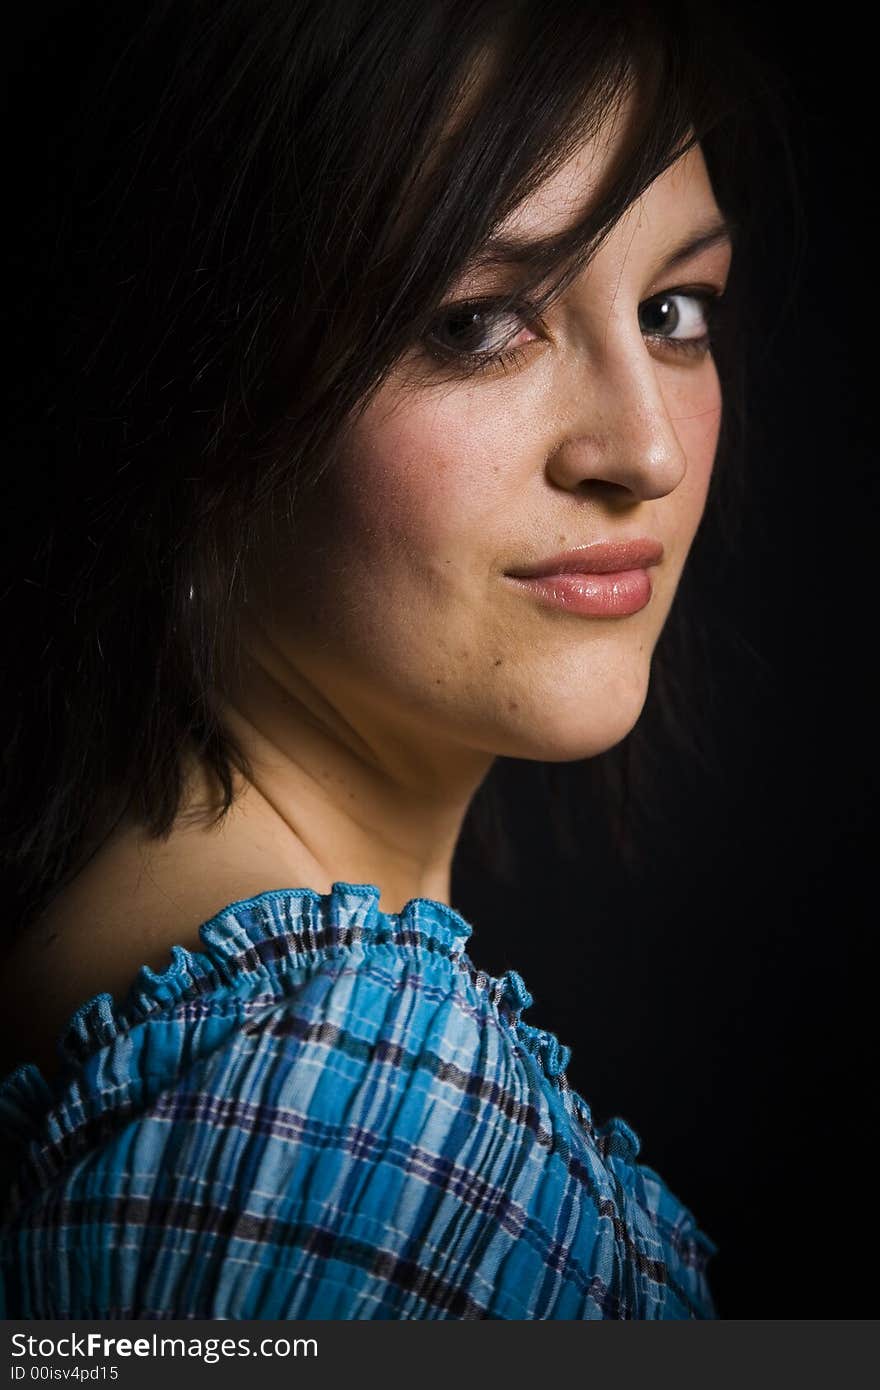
601 557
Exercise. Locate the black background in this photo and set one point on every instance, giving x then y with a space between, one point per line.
723 1005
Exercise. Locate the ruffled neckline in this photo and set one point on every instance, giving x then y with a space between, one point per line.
261 936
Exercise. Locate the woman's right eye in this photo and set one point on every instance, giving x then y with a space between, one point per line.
474 329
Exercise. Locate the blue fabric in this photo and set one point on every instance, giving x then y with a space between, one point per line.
329 1112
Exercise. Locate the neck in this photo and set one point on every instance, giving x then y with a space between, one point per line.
342 789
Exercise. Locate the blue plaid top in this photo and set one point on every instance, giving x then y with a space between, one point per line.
330 1112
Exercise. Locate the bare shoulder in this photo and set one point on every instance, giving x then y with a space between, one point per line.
128 907
93 937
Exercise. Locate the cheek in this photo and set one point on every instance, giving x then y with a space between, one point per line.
411 508
403 531
428 477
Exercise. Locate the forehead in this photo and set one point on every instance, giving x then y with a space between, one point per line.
682 191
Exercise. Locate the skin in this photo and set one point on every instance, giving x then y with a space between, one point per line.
388 659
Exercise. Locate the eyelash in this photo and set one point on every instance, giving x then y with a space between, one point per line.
712 302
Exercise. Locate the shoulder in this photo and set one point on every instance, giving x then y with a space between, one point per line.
335 1096
292 1099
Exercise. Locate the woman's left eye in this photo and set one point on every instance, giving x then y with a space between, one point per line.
681 318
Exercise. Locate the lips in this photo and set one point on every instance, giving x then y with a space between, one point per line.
601 557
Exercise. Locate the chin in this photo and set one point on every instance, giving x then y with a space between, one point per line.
599 716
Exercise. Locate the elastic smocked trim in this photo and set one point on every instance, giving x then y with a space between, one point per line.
255 936
615 1138
514 996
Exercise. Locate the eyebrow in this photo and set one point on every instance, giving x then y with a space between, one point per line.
510 249
720 229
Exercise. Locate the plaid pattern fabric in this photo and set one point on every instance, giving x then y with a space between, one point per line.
329 1112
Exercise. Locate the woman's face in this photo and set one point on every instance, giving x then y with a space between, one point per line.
394 602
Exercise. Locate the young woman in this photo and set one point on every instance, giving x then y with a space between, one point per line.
383 414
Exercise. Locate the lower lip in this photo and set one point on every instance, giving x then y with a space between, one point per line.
596 595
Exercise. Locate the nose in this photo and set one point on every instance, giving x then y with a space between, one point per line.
619 435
